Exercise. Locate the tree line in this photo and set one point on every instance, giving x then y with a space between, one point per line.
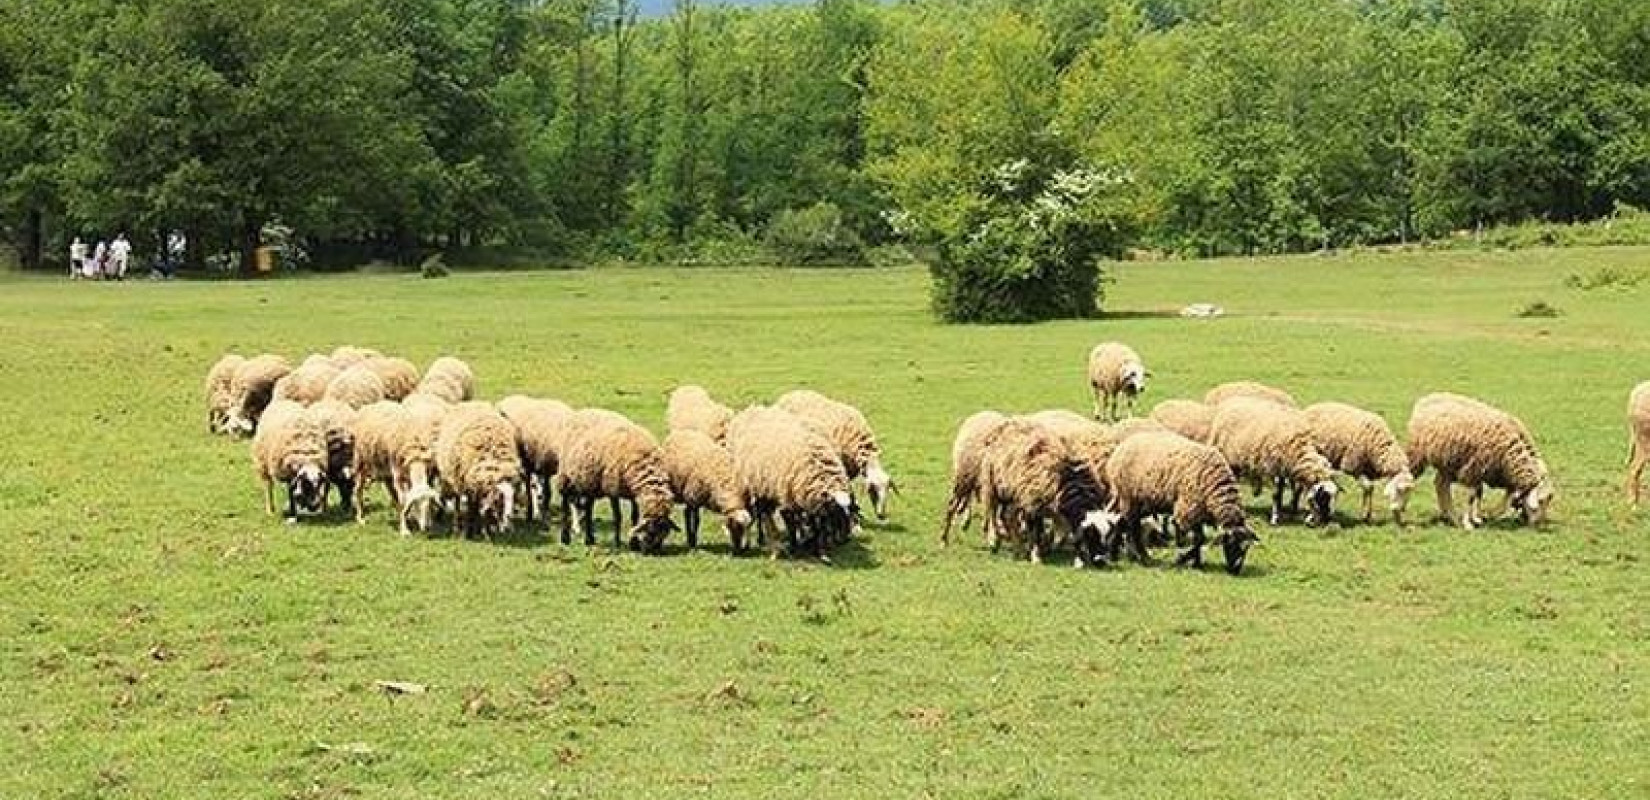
391 128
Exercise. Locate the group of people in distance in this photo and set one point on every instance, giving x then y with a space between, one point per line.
110 260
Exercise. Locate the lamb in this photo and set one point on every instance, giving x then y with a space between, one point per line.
701 476
856 443
395 443
1165 473
1473 443
974 435
1115 370
1264 440
541 426
1228 391
1360 444
357 387
1638 428
337 421
475 456
346 356
399 375
692 408
1029 477
308 383
449 379
616 459
784 466
1188 418
290 446
220 381
251 391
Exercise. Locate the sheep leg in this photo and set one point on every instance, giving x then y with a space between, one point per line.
1099 407
1036 531
1475 502
690 521
1635 473
1193 556
1277 501
1369 500
566 518
587 520
618 522
269 497
1446 503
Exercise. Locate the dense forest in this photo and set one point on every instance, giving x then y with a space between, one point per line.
813 132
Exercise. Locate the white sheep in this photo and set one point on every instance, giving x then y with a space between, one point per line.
346 356
357 387
1473 443
251 391
1638 431
606 455
220 385
967 450
701 476
1029 478
1360 444
1165 473
1115 370
449 379
1251 389
784 466
1189 418
475 455
290 446
847 428
399 376
308 383
541 427
337 421
692 408
1264 440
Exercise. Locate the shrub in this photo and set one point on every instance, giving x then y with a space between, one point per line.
433 267
814 235
1539 309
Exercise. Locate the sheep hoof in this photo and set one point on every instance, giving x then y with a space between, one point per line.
292 520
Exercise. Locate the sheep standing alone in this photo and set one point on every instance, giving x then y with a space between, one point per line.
308 383
399 376
619 460
1165 473
1115 370
1268 441
856 443
220 396
449 379
1360 444
357 387
692 408
701 476
1188 418
1473 443
1029 478
784 466
541 427
290 446
475 455
974 435
1638 429
1250 389
252 389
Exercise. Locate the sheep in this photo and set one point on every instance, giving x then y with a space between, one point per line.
1189 418
848 429
357 387
974 435
608 456
1638 428
475 456
290 446
316 360
1165 473
1029 477
399 375
701 476
1264 440
1228 391
692 408
1134 427
395 443
450 379
1360 444
784 466
541 425
308 383
1089 442
346 356
1115 370
427 401
220 383
251 391
1473 443
337 421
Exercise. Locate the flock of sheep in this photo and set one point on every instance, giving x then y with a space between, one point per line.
346 420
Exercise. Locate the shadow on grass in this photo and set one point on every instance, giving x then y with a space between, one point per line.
1123 316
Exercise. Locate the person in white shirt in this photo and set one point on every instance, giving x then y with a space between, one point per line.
100 260
120 254
77 258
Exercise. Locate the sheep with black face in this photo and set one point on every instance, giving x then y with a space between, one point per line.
290 447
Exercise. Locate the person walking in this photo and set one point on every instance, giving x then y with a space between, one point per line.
77 258
120 254
100 258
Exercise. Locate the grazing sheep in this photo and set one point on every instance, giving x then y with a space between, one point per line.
337 421
220 395
1188 418
450 379
1267 441
308 383
1638 427
399 375
1165 473
1115 370
357 387
1360 444
252 389
291 447
1134 427
395 443
316 359
1089 442
347 356
541 425
974 435
1028 478
784 466
475 456
1252 389
856 443
692 408
701 476
614 458
1473 443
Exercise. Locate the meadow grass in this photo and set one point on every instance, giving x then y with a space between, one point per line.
162 637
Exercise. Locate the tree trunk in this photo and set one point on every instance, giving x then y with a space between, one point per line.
251 236
34 235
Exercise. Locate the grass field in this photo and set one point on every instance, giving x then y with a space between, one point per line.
163 638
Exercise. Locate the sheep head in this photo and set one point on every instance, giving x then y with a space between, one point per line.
1134 377
498 506
307 488
649 535
878 484
1533 504
1321 498
1397 494
1235 544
